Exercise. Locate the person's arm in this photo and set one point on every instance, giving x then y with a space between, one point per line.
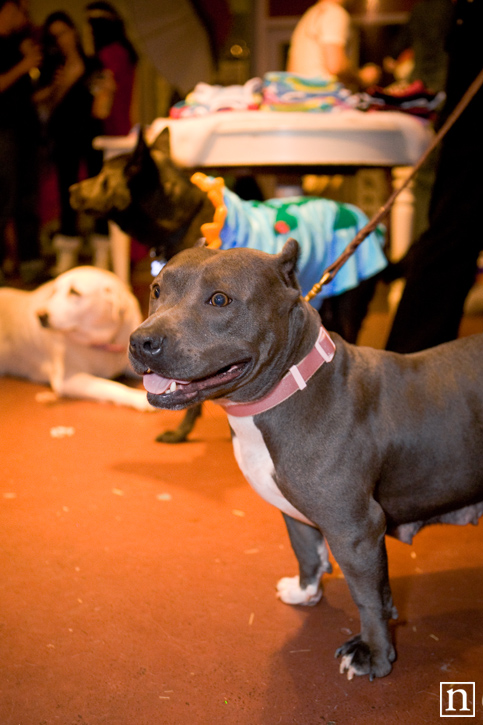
335 56
32 57
335 59
337 63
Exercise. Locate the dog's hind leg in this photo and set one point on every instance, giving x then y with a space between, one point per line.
311 551
181 433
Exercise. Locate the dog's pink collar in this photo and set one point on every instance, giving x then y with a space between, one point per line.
296 379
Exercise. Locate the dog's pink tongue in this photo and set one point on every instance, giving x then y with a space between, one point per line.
156 384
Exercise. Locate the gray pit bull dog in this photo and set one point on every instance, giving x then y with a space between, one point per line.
350 443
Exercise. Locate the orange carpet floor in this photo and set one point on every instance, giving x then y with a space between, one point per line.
138 587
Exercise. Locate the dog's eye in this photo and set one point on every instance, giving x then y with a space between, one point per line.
74 292
219 299
156 292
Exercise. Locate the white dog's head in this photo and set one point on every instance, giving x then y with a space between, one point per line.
90 306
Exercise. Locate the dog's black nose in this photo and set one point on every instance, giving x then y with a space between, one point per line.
43 319
142 343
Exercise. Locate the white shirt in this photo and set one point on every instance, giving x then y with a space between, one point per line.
324 23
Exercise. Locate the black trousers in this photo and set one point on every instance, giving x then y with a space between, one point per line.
441 265
71 155
345 313
19 190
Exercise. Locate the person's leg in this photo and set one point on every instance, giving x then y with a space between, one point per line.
67 163
441 265
67 242
100 241
27 212
345 313
8 186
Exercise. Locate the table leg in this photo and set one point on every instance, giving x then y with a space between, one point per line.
120 252
402 215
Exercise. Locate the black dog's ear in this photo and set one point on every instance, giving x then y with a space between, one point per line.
141 151
287 260
141 161
141 144
162 142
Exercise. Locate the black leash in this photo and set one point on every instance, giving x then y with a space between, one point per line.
332 270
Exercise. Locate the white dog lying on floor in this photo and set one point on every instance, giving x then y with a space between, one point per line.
73 333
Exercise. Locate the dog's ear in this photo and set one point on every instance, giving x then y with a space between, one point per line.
162 142
287 260
141 162
141 144
141 150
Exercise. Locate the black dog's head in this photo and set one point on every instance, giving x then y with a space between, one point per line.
145 193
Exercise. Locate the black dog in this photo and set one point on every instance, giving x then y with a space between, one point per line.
148 196
349 442
130 191
155 201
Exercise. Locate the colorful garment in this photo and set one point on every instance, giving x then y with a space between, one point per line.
283 91
206 98
413 98
322 227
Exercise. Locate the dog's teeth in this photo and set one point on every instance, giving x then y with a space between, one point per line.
172 387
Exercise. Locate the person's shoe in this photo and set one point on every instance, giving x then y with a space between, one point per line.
67 253
101 247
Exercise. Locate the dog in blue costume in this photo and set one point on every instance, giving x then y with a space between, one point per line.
323 229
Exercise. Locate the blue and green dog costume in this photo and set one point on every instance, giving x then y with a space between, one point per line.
323 229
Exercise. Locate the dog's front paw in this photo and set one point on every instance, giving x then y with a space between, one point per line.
290 592
46 397
141 403
357 658
172 436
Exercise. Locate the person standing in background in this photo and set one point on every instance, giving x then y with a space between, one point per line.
423 42
20 55
119 58
429 25
441 265
69 85
319 46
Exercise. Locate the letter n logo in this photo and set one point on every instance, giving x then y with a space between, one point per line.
457 699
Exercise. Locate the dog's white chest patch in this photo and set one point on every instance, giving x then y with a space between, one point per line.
256 464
